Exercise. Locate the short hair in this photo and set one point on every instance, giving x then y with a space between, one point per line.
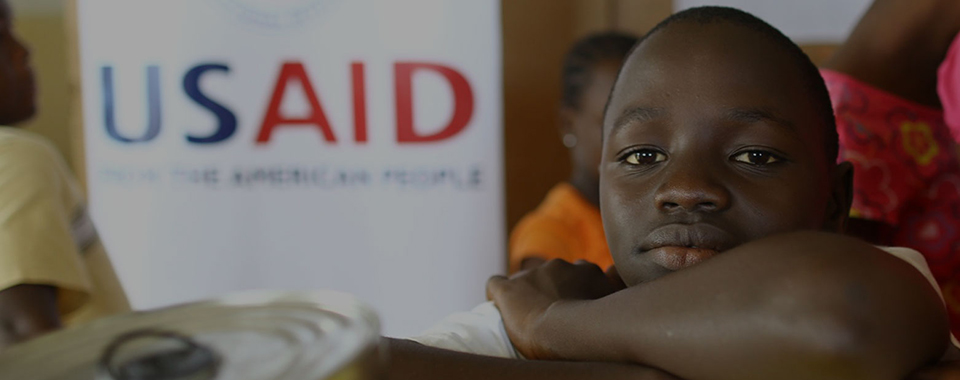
578 64
812 80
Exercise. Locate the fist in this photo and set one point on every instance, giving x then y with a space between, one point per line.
525 299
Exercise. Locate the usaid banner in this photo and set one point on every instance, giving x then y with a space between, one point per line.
353 145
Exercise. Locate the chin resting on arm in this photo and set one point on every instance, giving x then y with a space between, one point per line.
798 306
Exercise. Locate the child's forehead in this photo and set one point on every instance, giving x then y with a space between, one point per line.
711 52
713 66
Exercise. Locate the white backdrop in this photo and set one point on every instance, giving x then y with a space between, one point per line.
198 191
806 21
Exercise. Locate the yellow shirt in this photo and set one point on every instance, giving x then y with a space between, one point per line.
46 236
565 226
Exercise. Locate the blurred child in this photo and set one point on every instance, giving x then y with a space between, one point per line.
53 268
567 224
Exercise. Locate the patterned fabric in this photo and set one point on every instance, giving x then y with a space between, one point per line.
906 174
948 87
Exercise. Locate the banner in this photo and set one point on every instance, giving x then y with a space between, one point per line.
353 145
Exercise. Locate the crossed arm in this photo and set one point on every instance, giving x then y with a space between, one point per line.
411 360
798 306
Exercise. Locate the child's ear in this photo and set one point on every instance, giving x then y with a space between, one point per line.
566 121
841 197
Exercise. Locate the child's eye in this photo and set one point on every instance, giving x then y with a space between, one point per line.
644 157
757 158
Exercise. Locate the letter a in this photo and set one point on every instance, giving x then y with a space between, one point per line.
294 71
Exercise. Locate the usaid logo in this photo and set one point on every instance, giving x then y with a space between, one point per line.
274 119
277 14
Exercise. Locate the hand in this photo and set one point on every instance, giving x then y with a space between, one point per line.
525 298
531 263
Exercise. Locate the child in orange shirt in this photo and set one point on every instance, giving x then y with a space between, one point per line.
567 224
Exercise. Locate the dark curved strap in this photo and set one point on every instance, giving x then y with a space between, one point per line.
192 359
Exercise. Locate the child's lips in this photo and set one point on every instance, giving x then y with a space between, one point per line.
676 258
677 246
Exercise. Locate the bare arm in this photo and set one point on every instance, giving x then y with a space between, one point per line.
798 306
898 45
27 311
411 360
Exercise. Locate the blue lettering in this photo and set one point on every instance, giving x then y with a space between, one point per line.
153 103
227 119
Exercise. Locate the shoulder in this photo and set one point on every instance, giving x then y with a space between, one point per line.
32 169
540 223
565 201
479 331
24 149
916 260
21 139
561 211
909 255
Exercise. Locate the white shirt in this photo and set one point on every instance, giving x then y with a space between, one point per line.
481 330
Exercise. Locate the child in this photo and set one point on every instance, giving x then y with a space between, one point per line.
718 169
53 269
567 224
883 83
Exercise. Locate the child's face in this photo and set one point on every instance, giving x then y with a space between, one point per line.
711 141
17 92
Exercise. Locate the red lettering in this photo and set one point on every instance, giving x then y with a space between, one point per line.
359 103
294 71
462 102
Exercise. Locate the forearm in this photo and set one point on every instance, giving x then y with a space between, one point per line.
799 306
27 311
411 360
910 37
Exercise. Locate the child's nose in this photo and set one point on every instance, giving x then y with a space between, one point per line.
691 189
